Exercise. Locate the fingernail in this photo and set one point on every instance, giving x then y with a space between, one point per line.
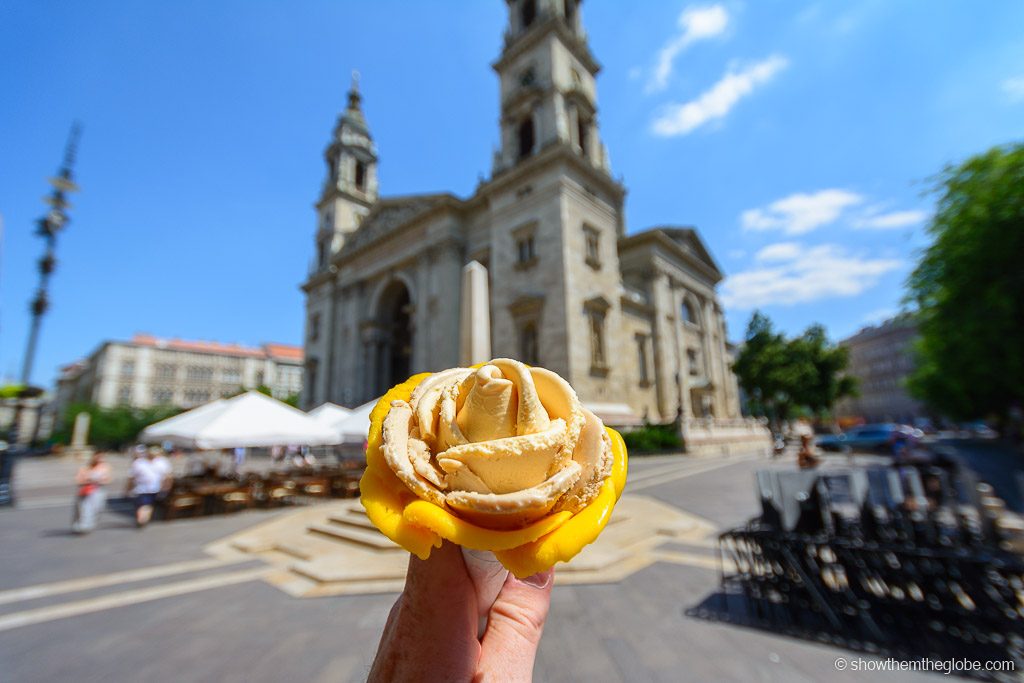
540 580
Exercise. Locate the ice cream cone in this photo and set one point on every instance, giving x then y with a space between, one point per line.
488 576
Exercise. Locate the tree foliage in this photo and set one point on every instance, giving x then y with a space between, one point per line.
782 376
114 427
969 289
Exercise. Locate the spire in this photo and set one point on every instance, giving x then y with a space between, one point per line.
354 98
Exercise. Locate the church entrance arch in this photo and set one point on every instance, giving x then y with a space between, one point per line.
394 317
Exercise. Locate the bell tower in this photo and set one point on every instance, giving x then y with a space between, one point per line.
350 182
548 91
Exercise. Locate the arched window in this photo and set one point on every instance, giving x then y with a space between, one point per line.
528 12
525 133
360 175
689 312
528 347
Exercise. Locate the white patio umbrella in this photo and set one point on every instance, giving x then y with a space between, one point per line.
159 431
251 419
354 428
329 413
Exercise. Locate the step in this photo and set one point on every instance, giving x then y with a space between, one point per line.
374 538
348 519
353 569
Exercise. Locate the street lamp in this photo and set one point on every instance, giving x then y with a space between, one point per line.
48 228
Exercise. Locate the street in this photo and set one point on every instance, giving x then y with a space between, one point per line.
123 604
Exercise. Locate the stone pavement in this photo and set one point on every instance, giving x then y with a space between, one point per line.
126 605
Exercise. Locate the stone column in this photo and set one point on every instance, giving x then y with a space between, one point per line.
420 361
448 279
474 316
371 336
665 356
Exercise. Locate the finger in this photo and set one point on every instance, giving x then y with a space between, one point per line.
431 631
438 590
514 627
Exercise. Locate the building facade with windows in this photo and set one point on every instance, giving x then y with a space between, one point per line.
631 320
881 359
148 371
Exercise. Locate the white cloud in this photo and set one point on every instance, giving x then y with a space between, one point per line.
803 275
782 251
680 119
695 24
1014 88
800 213
891 220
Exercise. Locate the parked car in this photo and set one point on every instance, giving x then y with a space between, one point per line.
876 438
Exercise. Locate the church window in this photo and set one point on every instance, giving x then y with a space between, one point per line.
641 356
526 253
528 77
597 355
321 254
314 327
311 368
689 312
593 240
582 126
360 175
526 137
569 7
528 12
693 359
528 346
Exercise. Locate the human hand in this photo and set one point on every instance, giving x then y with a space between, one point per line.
431 632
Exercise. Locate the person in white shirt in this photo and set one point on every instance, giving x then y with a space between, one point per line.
146 478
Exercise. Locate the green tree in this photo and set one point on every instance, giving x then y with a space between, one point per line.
969 290
821 381
784 376
114 427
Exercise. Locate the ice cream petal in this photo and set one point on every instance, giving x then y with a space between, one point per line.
510 464
427 396
490 408
593 452
396 429
516 509
531 416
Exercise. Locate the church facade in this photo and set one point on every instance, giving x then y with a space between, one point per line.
632 321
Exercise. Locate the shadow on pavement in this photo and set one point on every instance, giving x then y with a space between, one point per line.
924 642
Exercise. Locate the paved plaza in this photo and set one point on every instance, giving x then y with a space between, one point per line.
182 601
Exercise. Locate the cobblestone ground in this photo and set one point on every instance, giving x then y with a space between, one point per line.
129 605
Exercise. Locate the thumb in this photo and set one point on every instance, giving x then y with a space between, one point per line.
514 627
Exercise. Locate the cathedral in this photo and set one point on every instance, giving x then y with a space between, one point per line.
632 321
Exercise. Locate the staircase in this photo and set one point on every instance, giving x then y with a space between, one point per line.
333 549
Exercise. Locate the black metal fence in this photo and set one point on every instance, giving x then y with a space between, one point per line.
903 561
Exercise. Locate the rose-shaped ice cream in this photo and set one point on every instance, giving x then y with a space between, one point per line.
500 457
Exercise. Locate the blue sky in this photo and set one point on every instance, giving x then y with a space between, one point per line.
798 137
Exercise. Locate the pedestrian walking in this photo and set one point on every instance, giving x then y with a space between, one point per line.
91 479
145 480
